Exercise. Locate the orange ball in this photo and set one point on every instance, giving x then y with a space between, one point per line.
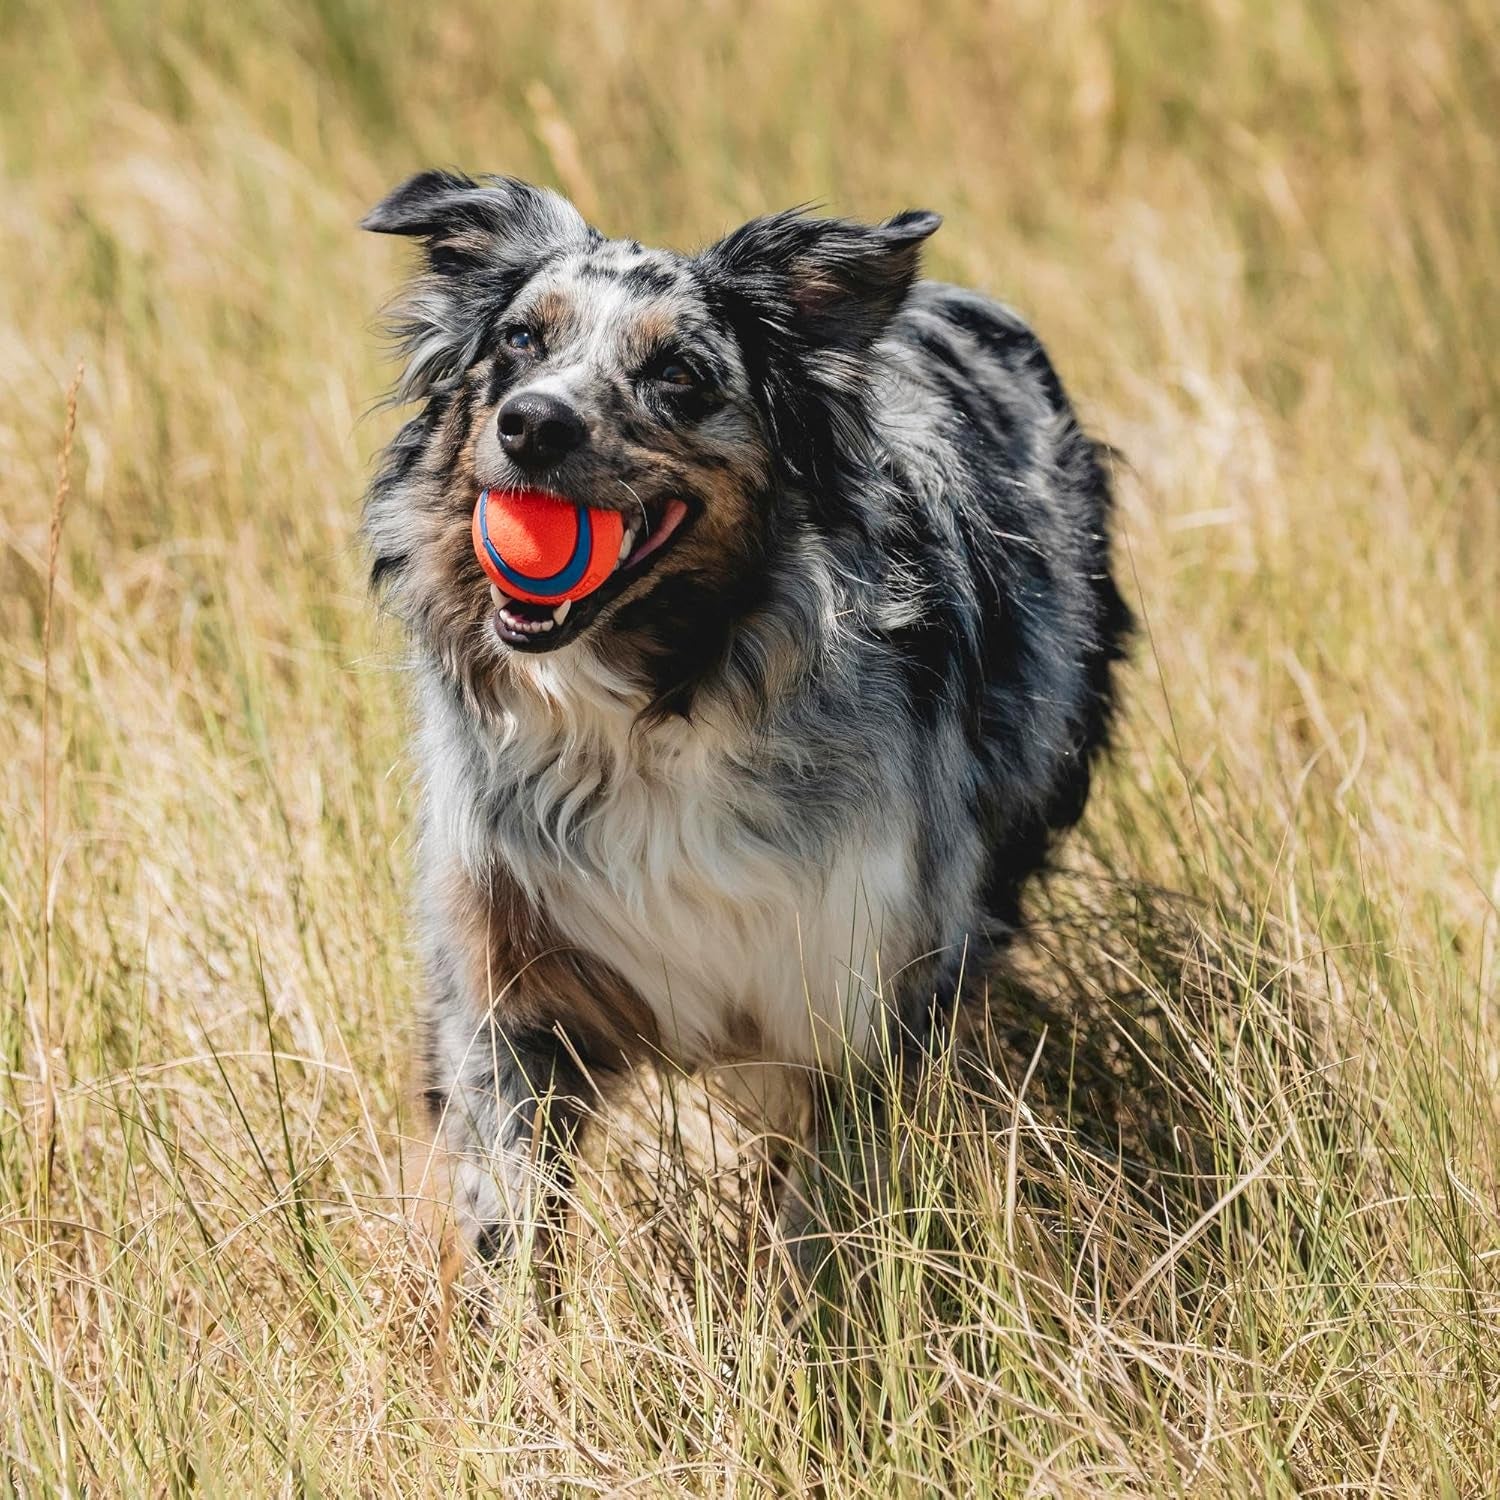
541 548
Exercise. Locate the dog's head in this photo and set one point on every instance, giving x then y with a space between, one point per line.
716 400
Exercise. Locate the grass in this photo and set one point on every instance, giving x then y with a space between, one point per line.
1207 1205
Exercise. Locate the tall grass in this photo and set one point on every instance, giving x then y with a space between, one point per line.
1205 1204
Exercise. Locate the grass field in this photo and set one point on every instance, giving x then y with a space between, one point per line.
1209 1207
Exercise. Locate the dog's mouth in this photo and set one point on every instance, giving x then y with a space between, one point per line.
655 529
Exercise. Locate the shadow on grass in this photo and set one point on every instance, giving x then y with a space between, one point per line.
1128 1062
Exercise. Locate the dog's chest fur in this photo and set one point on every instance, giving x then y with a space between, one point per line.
668 853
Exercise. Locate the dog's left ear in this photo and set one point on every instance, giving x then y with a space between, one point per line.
838 282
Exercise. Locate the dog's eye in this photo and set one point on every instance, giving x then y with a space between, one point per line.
523 339
675 372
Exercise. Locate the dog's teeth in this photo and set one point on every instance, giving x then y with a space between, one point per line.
627 543
500 599
561 612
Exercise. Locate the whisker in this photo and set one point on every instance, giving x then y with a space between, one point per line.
629 489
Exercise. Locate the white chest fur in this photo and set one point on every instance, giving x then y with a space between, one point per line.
649 849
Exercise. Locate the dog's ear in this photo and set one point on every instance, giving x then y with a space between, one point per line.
484 239
470 224
835 281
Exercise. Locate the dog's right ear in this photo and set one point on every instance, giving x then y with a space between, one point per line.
471 223
483 239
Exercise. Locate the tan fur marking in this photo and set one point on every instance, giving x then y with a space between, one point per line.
653 327
553 311
531 979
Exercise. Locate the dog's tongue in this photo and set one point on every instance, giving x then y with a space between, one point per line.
671 518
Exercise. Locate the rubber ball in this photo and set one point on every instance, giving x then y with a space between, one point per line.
539 547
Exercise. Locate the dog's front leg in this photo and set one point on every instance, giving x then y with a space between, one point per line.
508 1065
507 1099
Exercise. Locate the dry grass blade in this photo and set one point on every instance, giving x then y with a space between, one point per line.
44 1142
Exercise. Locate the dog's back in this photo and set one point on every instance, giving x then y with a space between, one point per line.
1008 505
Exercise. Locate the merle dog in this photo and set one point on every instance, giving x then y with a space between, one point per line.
773 787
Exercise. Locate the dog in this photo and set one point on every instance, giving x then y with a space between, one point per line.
776 786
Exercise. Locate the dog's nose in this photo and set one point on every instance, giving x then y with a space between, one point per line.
537 430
